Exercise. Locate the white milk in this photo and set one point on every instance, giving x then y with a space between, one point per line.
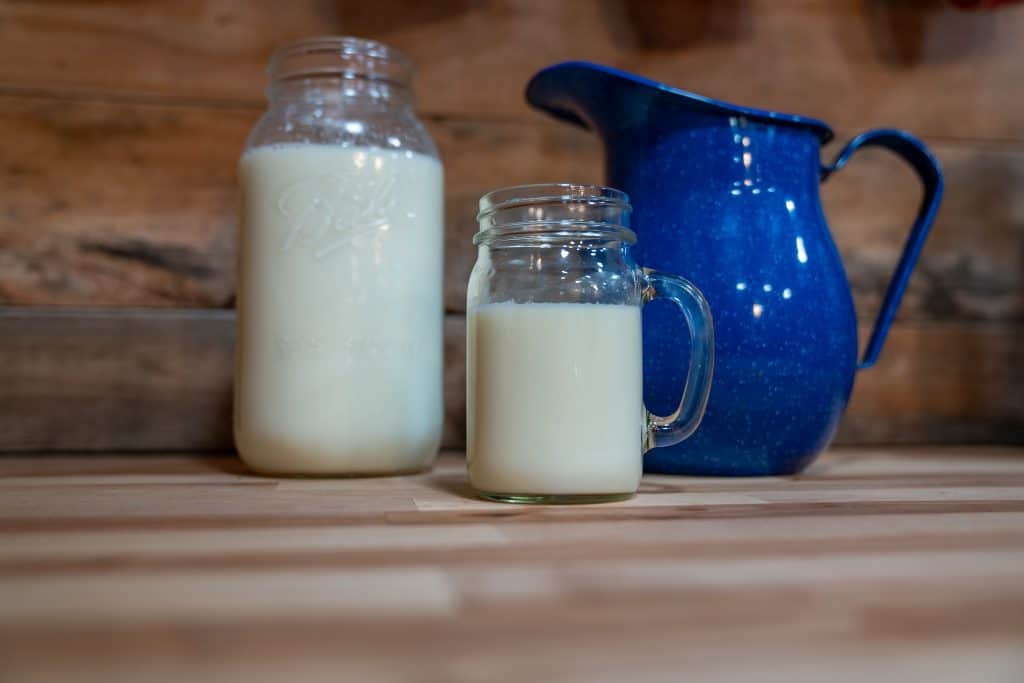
339 360
554 398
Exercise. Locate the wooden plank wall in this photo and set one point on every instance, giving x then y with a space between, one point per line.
122 122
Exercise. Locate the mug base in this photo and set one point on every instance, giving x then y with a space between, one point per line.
554 498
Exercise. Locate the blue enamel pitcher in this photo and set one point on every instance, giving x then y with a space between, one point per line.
728 196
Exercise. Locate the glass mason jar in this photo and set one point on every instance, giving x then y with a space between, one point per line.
340 311
554 363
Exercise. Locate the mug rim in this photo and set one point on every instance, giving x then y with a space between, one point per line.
543 193
611 205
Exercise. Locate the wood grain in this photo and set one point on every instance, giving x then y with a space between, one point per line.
136 205
80 380
919 65
123 122
956 383
972 267
873 564
131 380
106 204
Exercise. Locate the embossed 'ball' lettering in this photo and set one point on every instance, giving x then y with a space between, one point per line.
315 224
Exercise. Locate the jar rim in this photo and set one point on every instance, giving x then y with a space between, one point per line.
340 56
553 211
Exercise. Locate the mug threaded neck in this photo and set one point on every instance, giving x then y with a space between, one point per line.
555 209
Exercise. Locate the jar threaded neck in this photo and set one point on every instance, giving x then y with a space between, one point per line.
342 57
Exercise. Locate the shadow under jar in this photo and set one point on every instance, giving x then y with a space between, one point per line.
555 408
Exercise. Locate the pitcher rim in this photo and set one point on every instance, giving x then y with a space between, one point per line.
820 128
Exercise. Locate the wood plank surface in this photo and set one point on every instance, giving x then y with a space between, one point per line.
920 65
899 564
128 379
123 122
136 205
110 204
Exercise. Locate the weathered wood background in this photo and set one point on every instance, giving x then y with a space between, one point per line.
122 122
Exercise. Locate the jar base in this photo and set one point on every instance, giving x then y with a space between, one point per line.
554 498
273 473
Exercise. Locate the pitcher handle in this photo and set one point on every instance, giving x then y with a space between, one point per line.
914 152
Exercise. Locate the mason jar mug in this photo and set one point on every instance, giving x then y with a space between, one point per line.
555 408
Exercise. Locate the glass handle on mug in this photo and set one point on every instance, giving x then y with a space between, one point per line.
671 429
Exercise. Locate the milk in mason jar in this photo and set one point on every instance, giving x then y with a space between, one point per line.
340 313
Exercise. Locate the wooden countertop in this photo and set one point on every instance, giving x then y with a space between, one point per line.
895 564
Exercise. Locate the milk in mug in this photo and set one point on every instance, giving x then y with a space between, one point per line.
555 398
339 358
